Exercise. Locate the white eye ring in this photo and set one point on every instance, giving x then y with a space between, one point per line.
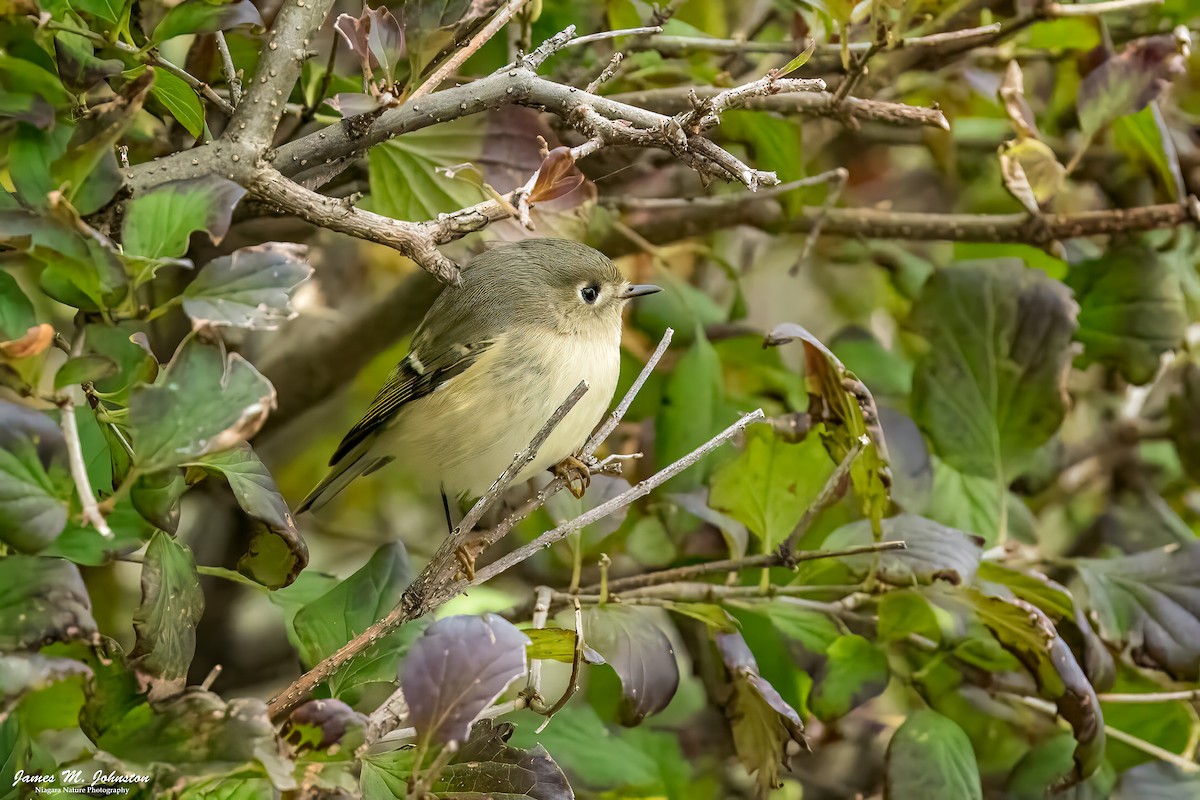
589 294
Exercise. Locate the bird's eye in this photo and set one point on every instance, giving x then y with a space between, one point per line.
589 294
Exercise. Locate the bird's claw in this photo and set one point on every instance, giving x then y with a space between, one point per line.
466 561
577 473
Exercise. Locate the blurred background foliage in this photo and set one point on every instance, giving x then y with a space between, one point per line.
1040 404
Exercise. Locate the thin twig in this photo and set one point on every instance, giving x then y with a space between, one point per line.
837 179
1058 10
231 76
649 30
830 492
619 412
607 73
477 41
1190 695
682 45
601 511
520 461
83 486
678 574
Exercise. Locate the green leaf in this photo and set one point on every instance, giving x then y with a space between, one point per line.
325 624
974 504
42 600
34 485
905 612
848 418
78 65
114 11
205 16
181 100
127 346
989 391
84 369
930 757
159 223
1131 310
932 552
165 621
1183 409
203 402
691 412
855 672
156 497
1029 635
1138 137
557 644
813 629
16 312
88 166
763 723
1128 82
249 288
404 182
771 483
278 553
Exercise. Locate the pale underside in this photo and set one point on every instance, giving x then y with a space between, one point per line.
490 412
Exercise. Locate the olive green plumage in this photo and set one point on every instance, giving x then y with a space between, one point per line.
489 364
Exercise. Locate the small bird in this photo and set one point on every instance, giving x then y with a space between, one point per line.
490 362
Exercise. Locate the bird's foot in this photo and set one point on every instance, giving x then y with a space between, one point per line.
576 472
466 561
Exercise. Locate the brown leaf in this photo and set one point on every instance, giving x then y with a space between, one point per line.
556 177
35 341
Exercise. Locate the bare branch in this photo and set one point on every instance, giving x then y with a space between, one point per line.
829 494
601 511
437 582
817 104
1056 10
287 47
685 45
463 53
231 76
409 238
606 74
680 574
519 462
663 221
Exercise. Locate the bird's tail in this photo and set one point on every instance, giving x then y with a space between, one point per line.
356 462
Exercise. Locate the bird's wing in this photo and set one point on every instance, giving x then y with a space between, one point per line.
416 376
412 379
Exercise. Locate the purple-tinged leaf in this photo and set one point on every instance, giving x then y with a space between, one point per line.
855 672
320 724
632 642
487 766
1150 601
456 670
355 31
159 223
933 552
202 16
351 104
1128 82
34 485
762 721
1027 633
385 38
78 65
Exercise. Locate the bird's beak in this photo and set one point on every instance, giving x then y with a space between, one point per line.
637 290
